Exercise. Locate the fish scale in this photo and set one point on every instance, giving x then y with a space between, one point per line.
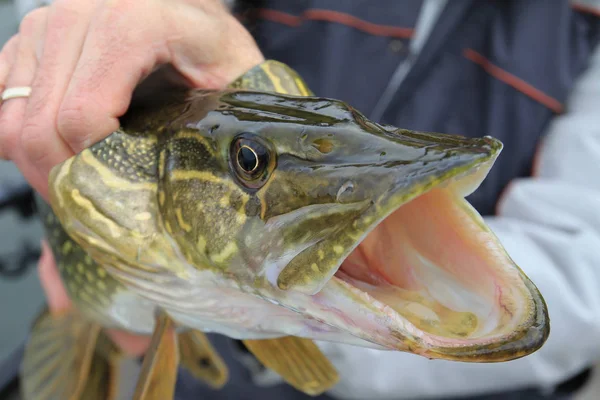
87 282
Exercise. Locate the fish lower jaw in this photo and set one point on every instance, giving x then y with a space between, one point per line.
441 286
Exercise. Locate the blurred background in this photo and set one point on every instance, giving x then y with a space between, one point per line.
21 296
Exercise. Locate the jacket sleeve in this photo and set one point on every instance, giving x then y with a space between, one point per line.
550 225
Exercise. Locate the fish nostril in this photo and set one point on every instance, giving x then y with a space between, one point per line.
323 145
344 191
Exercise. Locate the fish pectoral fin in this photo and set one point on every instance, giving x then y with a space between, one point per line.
159 369
298 361
201 359
59 357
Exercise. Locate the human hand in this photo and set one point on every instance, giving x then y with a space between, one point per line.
83 60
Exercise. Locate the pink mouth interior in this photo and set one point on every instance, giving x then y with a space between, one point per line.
434 262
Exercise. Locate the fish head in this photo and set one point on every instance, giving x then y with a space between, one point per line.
358 228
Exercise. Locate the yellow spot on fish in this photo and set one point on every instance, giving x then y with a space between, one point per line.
89 276
321 254
161 198
338 249
101 272
314 267
224 201
168 227
240 218
66 247
80 268
143 216
201 244
89 289
306 279
137 234
184 225
100 285
84 296
227 252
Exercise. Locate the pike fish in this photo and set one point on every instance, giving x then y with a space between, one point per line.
272 216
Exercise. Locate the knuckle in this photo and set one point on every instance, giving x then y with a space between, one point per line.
9 47
118 7
32 141
72 123
31 21
65 13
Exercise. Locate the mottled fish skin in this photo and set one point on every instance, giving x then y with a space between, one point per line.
86 282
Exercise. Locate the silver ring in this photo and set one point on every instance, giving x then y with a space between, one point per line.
16 92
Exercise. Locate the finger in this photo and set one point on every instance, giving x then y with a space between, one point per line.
56 295
181 34
116 55
21 73
7 59
227 49
58 58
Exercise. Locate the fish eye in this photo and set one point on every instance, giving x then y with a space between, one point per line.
252 160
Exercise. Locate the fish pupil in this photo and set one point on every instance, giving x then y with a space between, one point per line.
247 159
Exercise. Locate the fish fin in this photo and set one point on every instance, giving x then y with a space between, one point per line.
299 362
58 356
202 360
158 375
103 379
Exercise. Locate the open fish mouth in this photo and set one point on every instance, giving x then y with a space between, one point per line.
429 277
446 277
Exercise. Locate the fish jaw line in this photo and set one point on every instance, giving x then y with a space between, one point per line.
507 319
